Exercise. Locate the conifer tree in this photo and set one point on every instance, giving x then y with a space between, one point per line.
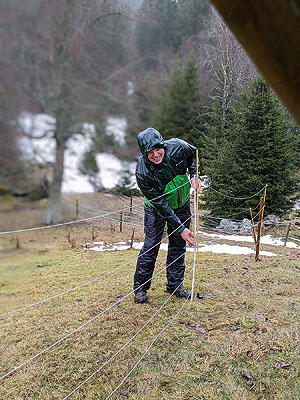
260 149
178 106
164 24
216 160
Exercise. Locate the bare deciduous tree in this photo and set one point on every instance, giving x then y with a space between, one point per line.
227 62
66 60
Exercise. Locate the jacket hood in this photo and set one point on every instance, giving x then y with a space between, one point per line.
149 139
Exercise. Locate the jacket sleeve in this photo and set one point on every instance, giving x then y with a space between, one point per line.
189 152
157 199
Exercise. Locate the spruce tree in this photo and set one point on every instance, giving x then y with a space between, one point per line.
260 149
178 106
216 160
165 24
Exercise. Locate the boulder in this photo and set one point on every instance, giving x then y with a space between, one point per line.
270 220
228 226
246 226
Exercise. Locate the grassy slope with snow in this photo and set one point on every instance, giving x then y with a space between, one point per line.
240 342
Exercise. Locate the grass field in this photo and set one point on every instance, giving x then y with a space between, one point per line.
240 342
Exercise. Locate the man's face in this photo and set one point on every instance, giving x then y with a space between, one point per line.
156 155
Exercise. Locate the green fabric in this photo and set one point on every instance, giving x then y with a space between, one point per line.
156 180
176 198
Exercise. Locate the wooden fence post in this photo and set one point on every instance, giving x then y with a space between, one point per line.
132 238
121 220
259 227
253 226
130 208
112 228
287 233
77 208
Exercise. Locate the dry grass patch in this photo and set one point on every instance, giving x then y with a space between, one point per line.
240 342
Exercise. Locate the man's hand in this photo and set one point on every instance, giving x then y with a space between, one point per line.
188 236
194 183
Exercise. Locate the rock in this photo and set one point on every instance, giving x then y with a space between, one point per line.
270 220
228 226
245 226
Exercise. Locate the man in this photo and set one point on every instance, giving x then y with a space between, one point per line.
161 174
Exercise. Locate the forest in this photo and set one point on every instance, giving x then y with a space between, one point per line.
82 78
173 65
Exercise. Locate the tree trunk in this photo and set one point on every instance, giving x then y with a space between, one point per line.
53 212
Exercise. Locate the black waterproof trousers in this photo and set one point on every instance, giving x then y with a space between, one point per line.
154 226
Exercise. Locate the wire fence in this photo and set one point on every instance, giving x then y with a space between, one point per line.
86 323
98 315
109 216
97 216
105 216
87 219
239 267
127 343
90 281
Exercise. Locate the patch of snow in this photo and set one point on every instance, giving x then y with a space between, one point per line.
297 205
297 240
216 248
43 151
116 127
228 249
267 239
76 146
111 168
36 124
40 150
130 88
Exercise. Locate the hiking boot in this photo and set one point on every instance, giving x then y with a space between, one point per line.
140 297
180 292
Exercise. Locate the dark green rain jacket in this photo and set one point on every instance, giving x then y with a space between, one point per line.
166 185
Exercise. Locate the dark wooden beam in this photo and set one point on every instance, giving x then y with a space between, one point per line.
269 31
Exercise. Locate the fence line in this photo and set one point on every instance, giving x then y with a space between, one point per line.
91 281
99 216
149 347
147 350
84 219
51 226
126 344
86 209
237 198
103 275
128 198
125 222
131 222
111 306
231 215
94 210
207 216
107 309
87 322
